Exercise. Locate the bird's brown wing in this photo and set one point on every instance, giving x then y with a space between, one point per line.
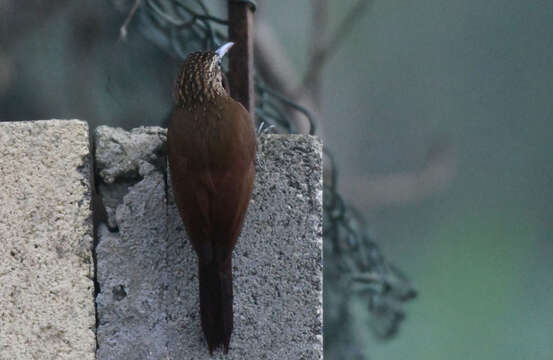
212 172
228 209
190 177
232 165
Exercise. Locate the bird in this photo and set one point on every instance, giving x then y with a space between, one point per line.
211 145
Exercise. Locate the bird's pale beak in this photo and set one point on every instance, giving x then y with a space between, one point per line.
223 49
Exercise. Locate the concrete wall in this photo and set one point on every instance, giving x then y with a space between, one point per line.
147 305
46 267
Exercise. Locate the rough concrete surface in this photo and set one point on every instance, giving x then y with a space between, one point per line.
147 271
46 267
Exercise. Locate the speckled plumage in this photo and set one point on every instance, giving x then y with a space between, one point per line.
200 80
211 147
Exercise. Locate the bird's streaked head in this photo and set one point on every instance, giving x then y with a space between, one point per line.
201 78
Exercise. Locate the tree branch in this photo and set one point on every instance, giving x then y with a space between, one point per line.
123 29
370 192
276 68
324 53
319 29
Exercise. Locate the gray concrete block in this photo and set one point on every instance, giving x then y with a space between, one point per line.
46 271
148 305
131 265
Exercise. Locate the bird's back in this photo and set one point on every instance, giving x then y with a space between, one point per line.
212 152
212 137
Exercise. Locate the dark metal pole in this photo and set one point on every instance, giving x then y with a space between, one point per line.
240 16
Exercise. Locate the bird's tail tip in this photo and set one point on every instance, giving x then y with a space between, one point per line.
216 304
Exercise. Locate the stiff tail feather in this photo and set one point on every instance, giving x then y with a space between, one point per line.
216 303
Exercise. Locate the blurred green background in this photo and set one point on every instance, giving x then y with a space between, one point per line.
440 116
476 77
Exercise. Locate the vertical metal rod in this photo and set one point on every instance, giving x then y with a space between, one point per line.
240 18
